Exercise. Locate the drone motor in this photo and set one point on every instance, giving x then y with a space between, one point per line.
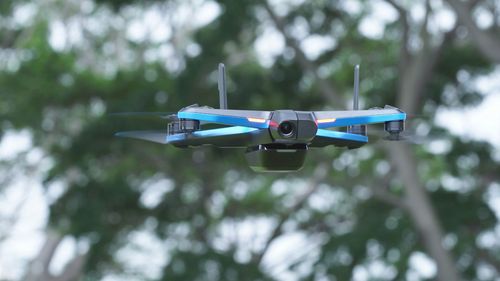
394 128
179 126
357 129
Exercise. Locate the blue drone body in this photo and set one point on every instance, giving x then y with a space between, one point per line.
274 140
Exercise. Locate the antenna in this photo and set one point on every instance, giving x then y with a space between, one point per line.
356 129
355 101
222 86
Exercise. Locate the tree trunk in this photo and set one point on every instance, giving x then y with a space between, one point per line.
38 269
414 77
421 210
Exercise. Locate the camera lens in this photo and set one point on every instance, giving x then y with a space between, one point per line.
286 129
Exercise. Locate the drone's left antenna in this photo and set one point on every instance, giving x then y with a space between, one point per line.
222 86
355 101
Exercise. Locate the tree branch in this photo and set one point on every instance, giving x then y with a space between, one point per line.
38 269
487 42
381 192
486 256
404 56
416 70
328 55
424 34
416 75
326 88
12 220
319 175
73 269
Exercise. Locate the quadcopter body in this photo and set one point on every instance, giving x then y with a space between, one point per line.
274 140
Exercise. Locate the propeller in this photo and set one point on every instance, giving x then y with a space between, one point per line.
405 136
409 138
154 136
170 116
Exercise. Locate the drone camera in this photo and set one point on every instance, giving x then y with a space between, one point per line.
276 157
287 129
292 126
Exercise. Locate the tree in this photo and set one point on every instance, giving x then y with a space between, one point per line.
377 205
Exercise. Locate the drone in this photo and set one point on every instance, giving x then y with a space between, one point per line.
275 141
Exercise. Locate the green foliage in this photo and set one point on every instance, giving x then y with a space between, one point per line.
66 108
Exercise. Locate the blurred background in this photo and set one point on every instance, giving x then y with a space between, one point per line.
78 204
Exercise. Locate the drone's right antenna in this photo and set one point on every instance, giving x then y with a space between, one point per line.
355 101
356 129
222 86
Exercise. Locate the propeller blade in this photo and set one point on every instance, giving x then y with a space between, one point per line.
162 115
406 136
154 136
412 138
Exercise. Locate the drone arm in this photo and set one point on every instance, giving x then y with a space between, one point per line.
246 118
235 136
329 119
327 137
